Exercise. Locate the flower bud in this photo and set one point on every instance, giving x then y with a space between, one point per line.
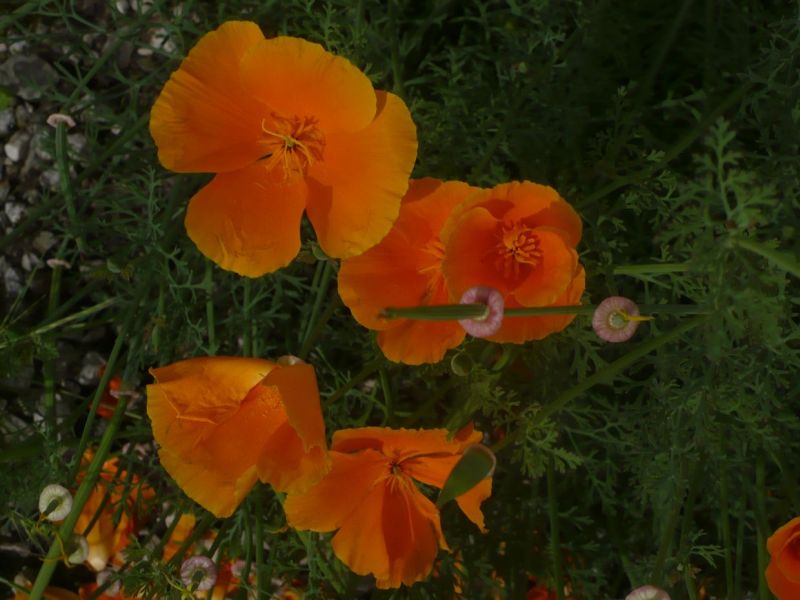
55 502
199 573
489 324
647 592
616 319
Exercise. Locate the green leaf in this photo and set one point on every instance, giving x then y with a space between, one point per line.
476 464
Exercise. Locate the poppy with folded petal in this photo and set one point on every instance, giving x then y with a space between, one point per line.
222 422
405 269
783 571
386 525
520 239
287 127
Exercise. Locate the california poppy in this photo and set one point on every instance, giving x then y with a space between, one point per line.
520 239
287 127
405 269
119 499
223 422
386 525
783 571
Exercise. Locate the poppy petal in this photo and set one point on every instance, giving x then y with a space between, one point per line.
782 587
403 444
355 191
326 505
203 121
210 431
518 330
470 503
420 342
788 559
295 77
549 279
778 540
294 456
539 205
470 252
248 221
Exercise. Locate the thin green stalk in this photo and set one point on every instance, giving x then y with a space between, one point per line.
248 557
451 312
127 324
334 303
208 284
651 269
668 532
247 337
62 162
50 364
81 496
61 323
261 582
737 591
783 260
726 532
368 370
115 148
388 396
320 293
604 375
761 526
197 533
686 526
555 543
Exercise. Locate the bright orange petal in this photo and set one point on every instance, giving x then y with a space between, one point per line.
203 120
210 431
782 587
541 206
401 444
519 330
788 559
295 456
248 221
395 535
778 540
549 279
326 505
420 342
355 191
470 503
295 77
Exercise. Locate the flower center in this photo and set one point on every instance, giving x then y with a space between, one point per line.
293 143
518 246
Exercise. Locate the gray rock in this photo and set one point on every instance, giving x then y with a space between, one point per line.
77 143
42 145
14 211
17 146
22 114
90 370
43 241
30 261
51 179
18 47
12 281
7 121
28 76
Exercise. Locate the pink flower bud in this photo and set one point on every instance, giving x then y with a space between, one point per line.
647 592
490 324
199 573
616 318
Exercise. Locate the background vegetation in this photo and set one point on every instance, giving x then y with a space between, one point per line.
673 127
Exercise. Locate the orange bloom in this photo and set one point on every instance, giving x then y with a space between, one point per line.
783 571
287 127
519 238
405 269
386 526
180 533
223 422
108 536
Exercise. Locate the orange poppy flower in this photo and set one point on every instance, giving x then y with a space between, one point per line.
405 269
223 422
386 526
783 571
519 238
112 529
287 127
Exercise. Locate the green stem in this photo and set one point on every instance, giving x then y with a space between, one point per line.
320 293
313 336
686 526
451 312
368 370
761 526
62 162
208 284
386 386
783 260
81 496
555 543
261 582
604 375
78 316
726 532
651 269
737 592
247 338
668 532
